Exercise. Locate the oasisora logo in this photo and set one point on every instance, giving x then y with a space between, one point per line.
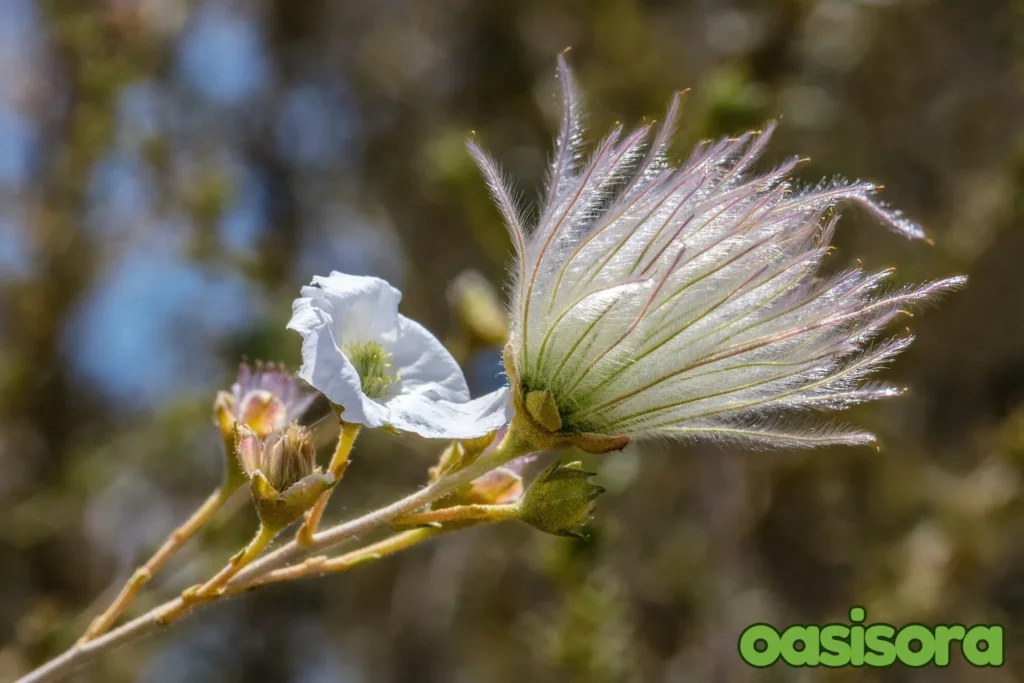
875 645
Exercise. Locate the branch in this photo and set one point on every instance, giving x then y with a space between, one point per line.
143 574
262 570
320 565
460 513
511 447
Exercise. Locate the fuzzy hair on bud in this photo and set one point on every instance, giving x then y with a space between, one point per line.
561 500
654 298
282 473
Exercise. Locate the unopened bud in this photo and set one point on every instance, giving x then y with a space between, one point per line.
478 308
561 500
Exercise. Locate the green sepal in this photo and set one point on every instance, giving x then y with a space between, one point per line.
278 510
543 408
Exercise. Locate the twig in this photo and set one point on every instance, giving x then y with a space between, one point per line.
460 513
196 596
511 447
163 615
317 566
179 537
263 537
339 463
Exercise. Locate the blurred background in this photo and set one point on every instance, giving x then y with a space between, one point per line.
172 171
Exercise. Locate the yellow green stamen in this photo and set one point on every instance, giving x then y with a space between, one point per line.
372 362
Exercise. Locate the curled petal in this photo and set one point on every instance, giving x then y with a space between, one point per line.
382 368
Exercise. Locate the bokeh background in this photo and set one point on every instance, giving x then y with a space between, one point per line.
171 172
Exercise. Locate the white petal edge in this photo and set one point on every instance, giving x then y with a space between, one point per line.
424 365
451 420
431 397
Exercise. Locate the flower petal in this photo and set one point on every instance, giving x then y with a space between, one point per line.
451 420
326 368
424 365
429 395
364 308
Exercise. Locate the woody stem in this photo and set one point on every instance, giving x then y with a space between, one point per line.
179 537
458 513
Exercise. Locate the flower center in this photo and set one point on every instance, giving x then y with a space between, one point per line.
262 412
372 362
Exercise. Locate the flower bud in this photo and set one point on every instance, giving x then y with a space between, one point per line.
478 309
560 500
283 475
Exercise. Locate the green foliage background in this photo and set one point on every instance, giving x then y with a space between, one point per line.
691 544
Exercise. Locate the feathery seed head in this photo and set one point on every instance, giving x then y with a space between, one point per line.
282 473
291 458
683 300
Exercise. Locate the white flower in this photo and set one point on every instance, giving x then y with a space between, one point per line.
653 299
383 368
